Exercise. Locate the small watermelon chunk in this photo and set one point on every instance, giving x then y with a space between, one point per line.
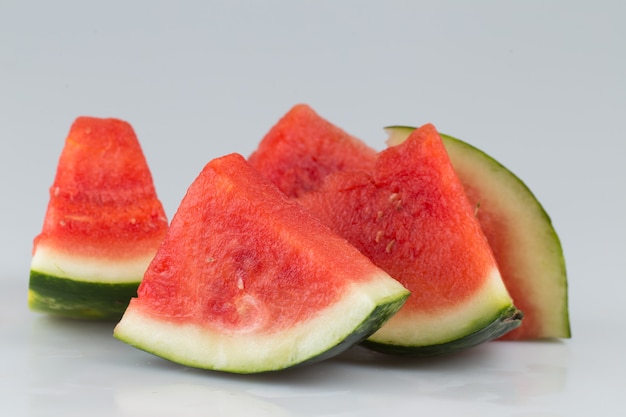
248 281
303 148
102 226
411 217
520 233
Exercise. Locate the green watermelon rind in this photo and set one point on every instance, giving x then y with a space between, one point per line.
544 242
557 324
188 344
486 314
373 322
64 297
507 319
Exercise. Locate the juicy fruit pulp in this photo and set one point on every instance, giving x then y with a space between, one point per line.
248 281
303 148
102 226
520 233
411 217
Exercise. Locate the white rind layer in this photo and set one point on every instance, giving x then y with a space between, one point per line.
248 351
464 318
81 268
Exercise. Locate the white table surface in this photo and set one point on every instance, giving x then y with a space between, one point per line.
539 85
55 367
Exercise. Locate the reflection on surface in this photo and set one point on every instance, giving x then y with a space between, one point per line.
72 366
65 371
181 400
510 373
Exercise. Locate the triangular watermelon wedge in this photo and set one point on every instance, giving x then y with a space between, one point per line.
411 217
521 234
102 226
248 281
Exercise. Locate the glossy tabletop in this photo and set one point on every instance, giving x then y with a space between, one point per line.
55 367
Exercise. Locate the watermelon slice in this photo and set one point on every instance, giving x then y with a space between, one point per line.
248 281
102 227
411 217
520 233
303 148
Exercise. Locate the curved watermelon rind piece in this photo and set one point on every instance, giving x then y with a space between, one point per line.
540 287
332 332
507 320
373 322
69 298
547 284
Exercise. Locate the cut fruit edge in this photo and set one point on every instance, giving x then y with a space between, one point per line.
360 312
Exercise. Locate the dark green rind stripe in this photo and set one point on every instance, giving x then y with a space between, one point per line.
79 299
508 319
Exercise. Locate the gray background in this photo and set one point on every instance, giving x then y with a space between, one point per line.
540 85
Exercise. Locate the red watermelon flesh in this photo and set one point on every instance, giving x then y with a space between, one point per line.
303 148
248 281
411 217
103 202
